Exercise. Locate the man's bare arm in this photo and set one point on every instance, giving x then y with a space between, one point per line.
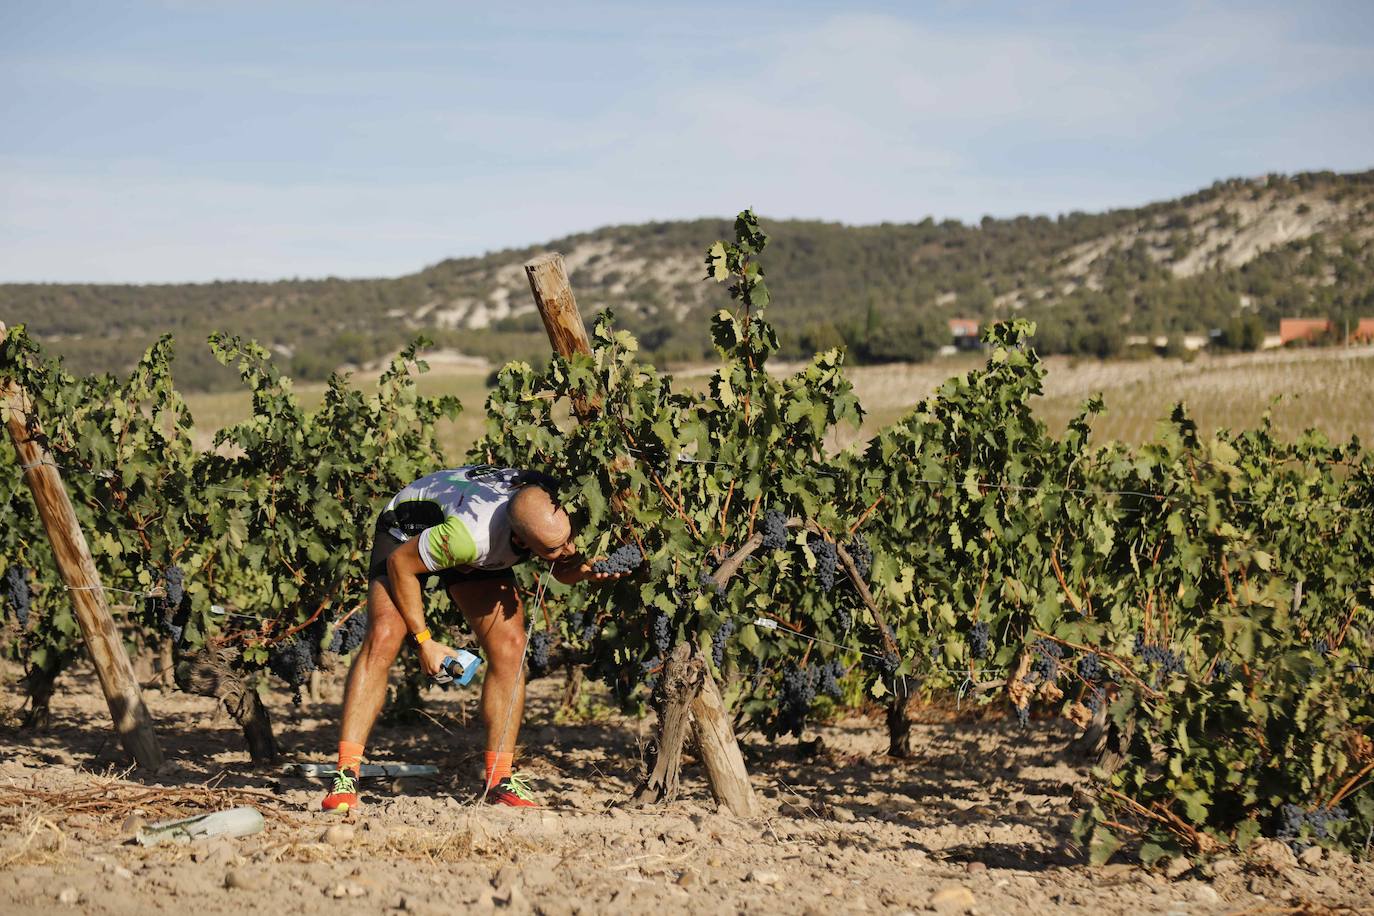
403 569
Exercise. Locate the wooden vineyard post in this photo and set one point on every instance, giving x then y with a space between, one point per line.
112 666
720 753
553 296
698 699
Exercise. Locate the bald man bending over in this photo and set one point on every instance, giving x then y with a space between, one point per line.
467 526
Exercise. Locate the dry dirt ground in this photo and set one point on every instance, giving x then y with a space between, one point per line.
978 823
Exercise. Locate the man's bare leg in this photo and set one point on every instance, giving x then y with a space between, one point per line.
366 689
493 609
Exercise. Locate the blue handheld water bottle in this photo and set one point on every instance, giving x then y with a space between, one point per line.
459 668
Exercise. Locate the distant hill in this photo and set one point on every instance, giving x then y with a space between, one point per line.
1236 256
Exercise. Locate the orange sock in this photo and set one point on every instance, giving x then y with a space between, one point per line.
498 767
351 756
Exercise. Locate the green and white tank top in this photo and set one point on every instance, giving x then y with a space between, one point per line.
461 516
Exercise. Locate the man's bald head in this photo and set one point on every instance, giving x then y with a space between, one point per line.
540 524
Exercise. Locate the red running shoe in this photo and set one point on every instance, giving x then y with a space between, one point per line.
512 791
344 796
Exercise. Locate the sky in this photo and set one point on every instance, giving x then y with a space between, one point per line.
193 140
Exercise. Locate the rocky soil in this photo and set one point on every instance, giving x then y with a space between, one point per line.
978 823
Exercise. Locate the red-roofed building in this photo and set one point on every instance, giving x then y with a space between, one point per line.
1292 330
965 333
1363 332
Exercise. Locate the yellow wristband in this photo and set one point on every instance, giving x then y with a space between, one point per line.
422 636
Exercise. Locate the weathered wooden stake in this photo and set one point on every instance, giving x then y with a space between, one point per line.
558 308
112 666
720 753
715 735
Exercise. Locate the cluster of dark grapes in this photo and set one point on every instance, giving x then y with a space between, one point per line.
652 669
1090 668
885 665
774 530
1292 818
1045 667
1022 715
844 619
168 611
538 654
827 561
623 559
978 640
349 634
292 661
830 674
708 582
1322 646
861 554
795 696
1162 658
584 625
17 593
1223 669
173 580
663 634
718 641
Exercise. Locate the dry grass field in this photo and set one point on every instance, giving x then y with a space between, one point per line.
1329 389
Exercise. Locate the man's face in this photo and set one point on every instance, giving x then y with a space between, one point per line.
555 542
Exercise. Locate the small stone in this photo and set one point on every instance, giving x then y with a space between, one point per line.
841 814
338 891
1311 857
766 878
121 872
1178 867
242 879
1223 867
214 852
131 825
974 868
954 899
338 835
686 879
1273 853
1205 893
69 896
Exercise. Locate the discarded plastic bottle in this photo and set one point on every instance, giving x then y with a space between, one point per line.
458 669
231 823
